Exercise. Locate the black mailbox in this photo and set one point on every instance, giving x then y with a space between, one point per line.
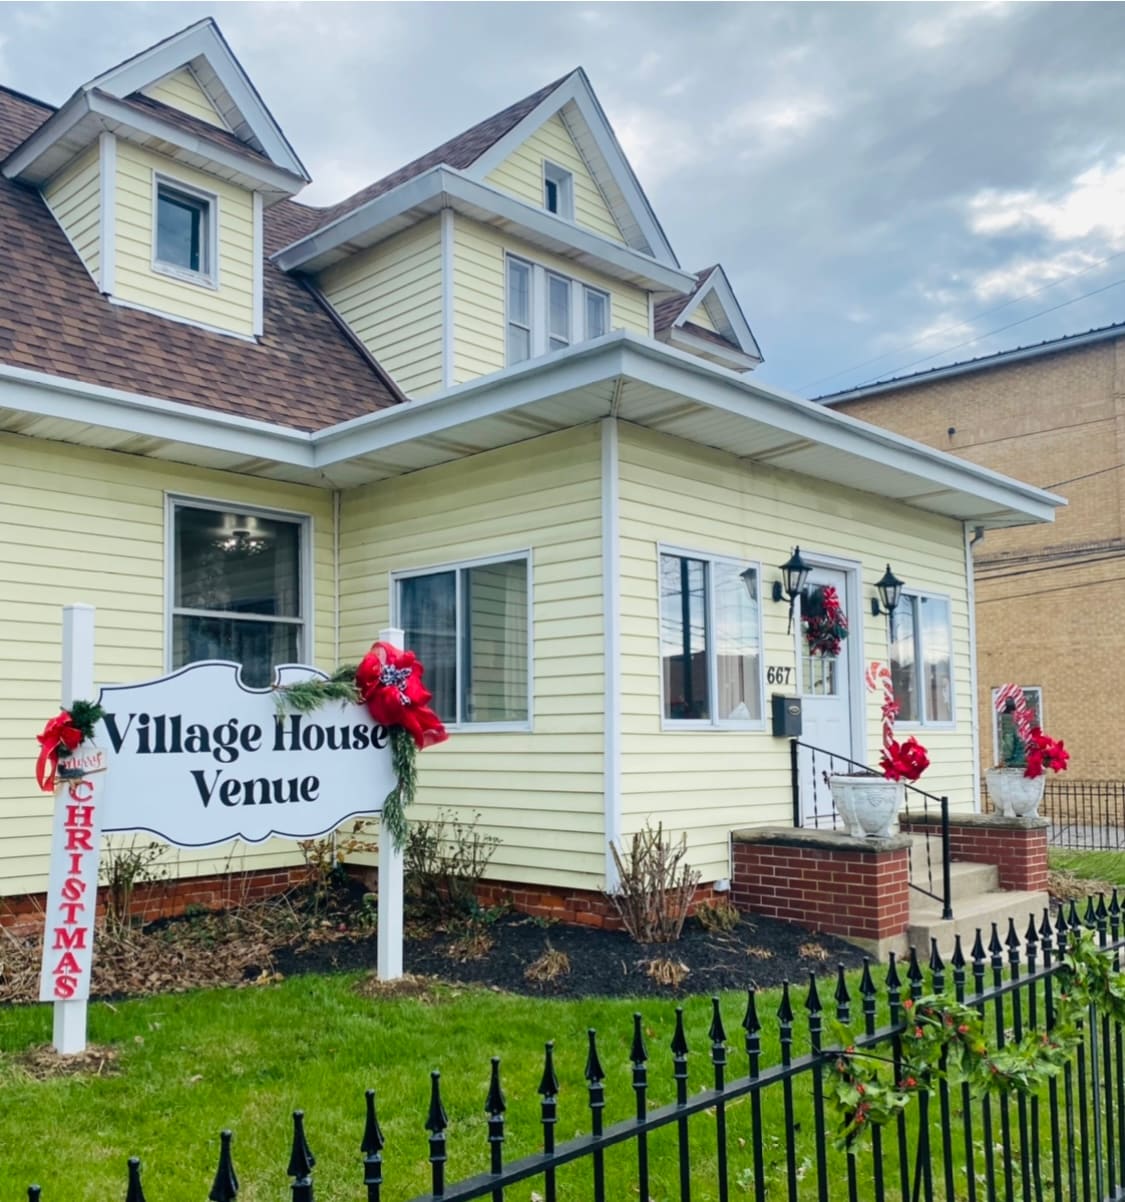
786 716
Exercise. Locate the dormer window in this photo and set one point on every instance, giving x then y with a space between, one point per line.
185 241
558 191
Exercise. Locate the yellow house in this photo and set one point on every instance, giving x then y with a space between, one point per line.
479 400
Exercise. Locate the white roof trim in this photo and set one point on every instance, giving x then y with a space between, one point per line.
203 40
630 205
122 119
717 285
730 357
619 355
443 187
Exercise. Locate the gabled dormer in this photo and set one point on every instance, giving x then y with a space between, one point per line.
709 322
158 171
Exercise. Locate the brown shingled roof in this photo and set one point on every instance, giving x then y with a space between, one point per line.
305 372
459 152
665 312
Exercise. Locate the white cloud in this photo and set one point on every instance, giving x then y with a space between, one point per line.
1022 276
948 23
1094 204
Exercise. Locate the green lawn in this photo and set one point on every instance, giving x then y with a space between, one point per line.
1091 865
192 1064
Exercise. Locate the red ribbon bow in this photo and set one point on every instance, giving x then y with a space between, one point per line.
390 684
59 733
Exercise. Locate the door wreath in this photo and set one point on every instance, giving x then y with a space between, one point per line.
823 620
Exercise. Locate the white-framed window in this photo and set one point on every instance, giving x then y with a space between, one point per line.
185 242
710 640
921 653
558 190
548 311
469 624
238 587
1033 695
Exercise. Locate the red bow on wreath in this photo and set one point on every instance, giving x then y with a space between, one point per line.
60 734
390 684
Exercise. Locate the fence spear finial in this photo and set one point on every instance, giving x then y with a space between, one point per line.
225 1186
134 1193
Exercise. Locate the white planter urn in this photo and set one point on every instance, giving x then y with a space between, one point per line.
1013 794
869 805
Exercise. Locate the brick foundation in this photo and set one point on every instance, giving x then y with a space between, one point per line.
856 888
166 899
1017 846
582 907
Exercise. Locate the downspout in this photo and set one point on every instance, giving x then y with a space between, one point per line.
974 693
335 577
611 605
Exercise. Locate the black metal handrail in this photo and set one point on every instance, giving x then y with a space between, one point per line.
929 802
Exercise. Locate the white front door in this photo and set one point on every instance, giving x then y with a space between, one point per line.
825 683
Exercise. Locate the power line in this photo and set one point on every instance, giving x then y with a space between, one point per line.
1069 562
1089 475
989 333
1064 588
968 320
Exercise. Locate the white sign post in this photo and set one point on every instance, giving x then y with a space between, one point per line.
389 934
197 758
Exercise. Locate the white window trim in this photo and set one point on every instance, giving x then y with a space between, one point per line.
539 311
714 722
919 647
201 279
456 566
996 717
564 182
174 501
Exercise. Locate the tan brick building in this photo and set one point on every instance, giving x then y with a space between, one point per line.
1050 599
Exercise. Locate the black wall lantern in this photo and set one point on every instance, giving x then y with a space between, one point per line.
794 574
890 591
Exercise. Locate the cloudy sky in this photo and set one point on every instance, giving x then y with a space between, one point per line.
884 183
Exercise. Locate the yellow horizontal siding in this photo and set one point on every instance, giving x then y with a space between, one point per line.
700 317
480 289
228 307
521 174
74 197
83 525
539 791
181 90
391 298
712 781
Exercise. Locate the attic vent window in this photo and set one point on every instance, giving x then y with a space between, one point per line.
184 243
558 191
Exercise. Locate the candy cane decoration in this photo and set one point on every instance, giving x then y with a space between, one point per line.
1021 716
878 679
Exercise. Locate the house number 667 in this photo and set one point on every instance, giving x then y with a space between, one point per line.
778 675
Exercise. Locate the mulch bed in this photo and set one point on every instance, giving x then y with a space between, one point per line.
758 952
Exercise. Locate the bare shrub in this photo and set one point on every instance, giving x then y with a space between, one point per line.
665 971
123 867
759 953
717 916
444 861
655 887
551 965
813 951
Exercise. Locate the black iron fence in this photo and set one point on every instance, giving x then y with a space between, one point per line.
1085 815
765 1133
810 768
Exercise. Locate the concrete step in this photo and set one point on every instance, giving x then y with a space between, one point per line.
968 881
982 911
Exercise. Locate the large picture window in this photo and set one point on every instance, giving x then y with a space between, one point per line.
921 637
236 589
710 640
469 627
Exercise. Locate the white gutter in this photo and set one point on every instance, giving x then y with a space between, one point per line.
443 187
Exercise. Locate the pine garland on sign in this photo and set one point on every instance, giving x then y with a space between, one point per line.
389 683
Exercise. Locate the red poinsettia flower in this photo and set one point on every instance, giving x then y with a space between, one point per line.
390 685
904 761
1044 752
60 734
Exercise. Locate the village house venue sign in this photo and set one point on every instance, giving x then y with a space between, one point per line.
197 758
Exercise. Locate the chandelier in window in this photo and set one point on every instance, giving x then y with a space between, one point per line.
245 538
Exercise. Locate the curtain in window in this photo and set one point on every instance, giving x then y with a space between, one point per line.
737 673
495 643
428 616
937 648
